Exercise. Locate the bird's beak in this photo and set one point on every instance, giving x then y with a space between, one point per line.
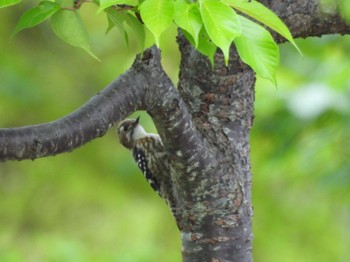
137 120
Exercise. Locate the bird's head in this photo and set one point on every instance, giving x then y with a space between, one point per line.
128 131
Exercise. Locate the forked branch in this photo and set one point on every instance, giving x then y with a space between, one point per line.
145 86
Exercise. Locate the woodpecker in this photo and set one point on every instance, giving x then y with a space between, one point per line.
147 150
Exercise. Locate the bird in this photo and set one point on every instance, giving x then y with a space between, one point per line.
153 160
147 150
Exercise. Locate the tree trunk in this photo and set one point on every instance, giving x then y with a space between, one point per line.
217 225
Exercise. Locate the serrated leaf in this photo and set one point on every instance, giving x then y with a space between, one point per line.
157 16
257 48
264 15
188 17
67 25
5 3
221 22
36 15
137 28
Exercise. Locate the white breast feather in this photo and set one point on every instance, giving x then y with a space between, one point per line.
139 132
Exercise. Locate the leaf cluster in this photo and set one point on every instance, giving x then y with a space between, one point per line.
207 24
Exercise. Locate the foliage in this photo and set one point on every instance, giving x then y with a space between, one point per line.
36 15
207 24
69 27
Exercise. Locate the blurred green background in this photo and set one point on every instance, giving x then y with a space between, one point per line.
94 205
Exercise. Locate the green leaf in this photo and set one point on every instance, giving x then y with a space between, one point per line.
137 28
157 16
221 23
205 45
188 17
111 24
107 3
67 25
36 15
264 15
5 3
115 18
257 48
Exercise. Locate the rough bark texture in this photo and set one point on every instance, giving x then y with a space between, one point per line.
308 18
205 127
221 102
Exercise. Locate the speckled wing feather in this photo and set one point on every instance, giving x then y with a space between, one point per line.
150 157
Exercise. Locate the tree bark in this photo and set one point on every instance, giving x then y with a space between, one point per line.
221 103
204 125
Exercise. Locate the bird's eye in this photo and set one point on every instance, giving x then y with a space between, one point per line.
125 128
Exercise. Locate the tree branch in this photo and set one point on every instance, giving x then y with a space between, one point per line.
145 86
307 18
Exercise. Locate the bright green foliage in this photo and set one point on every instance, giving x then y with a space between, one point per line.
107 3
263 15
157 16
207 24
68 26
36 15
206 46
119 19
4 3
188 17
137 28
257 48
221 23
115 18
